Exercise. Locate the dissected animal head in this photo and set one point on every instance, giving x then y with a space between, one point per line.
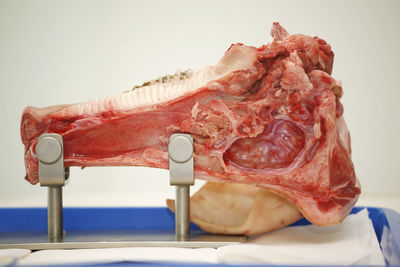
269 117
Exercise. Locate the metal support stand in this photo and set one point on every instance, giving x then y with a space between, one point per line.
52 174
181 169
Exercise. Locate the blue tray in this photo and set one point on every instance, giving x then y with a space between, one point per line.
386 224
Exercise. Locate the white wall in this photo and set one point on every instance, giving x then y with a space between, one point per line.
54 52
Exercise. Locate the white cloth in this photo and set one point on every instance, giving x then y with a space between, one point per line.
353 242
113 255
10 256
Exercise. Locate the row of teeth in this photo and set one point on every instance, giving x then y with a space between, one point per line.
179 75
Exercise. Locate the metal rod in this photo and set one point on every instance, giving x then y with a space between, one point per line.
182 212
54 212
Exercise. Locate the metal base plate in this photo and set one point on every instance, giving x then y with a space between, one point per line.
114 239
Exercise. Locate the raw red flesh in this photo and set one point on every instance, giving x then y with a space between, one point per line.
268 116
276 147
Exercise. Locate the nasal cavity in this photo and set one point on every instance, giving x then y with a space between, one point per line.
275 148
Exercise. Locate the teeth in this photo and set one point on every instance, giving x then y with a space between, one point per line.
87 107
167 92
129 101
122 99
153 95
146 94
114 102
107 104
162 93
134 98
140 95
95 106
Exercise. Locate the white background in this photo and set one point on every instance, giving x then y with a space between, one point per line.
54 52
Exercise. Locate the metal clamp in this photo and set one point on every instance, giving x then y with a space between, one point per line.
181 169
52 174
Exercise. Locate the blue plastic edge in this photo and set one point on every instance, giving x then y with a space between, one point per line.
35 219
386 223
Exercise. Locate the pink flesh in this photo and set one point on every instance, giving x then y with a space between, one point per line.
276 147
272 121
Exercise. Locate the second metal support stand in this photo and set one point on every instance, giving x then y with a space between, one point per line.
181 169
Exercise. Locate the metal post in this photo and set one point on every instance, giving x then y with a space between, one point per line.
54 212
52 174
181 169
182 211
